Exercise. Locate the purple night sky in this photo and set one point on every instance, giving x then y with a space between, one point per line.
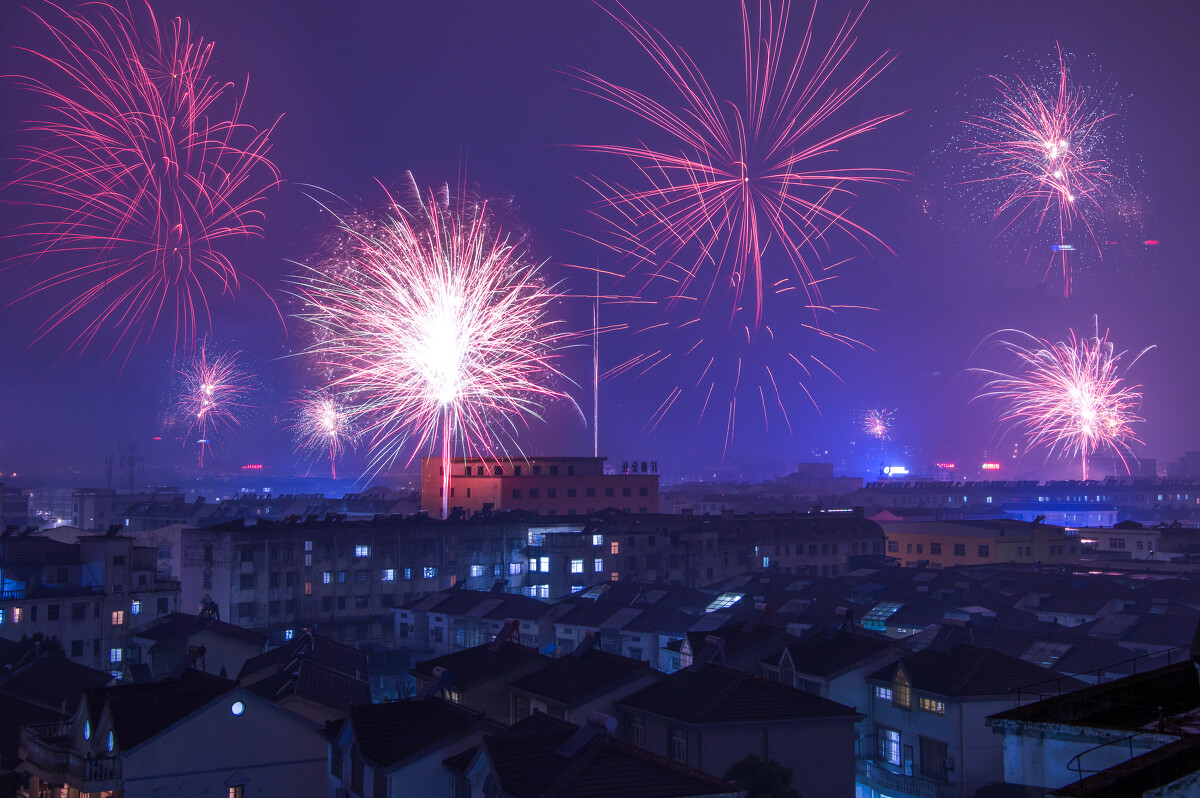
482 91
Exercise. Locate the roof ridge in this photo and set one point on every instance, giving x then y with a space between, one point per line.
974 669
722 694
582 760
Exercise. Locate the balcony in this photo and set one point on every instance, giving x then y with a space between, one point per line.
881 779
46 750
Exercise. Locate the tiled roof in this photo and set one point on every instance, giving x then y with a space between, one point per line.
53 680
1141 775
527 765
180 625
570 679
314 682
480 664
393 732
331 654
970 671
823 657
15 713
716 694
140 711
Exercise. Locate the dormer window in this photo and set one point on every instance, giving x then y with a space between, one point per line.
901 691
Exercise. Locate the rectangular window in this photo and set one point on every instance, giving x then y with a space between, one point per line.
935 548
598 565
76 648
614 547
237 791
570 493
362 551
476 570
893 547
516 494
934 707
608 493
514 568
308 588
115 655
889 745
408 573
591 493
677 744
341 577
909 549
389 574
163 606
933 759
118 617
983 551
626 491
326 577
576 566
247 581
543 591
597 540
362 576
883 693
335 762
615 576
429 571
960 549
544 564
53 611
551 493
901 692
635 730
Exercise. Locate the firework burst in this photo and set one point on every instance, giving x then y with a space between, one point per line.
878 424
324 424
213 397
1041 143
143 171
435 324
739 175
1069 397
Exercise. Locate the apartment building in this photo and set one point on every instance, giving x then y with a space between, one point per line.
89 594
543 485
944 544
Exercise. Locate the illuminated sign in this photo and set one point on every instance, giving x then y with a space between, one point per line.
1151 242
990 466
1063 247
946 466
895 471
252 467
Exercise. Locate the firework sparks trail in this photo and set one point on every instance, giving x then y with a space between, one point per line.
144 172
1068 397
1043 145
878 424
739 175
215 390
434 323
325 424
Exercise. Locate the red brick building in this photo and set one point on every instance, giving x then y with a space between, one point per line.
544 485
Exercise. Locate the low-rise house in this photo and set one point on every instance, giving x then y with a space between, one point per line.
928 716
543 757
451 620
180 640
312 676
479 677
585 681
396 749
832 666
709 717
195 735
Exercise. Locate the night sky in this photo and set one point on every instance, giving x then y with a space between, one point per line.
481 92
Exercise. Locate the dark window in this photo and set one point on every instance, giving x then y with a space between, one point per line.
960 549
537 469
335 762
362 602
570 471
362 576
516 471
608 493
248 582
551 493
591 493
533 493
933 759
118 559
516 493
247 554
341 602
983 551
76 648
935 548
570 493
626 491
553 471
164 606
52 612
643 491
379 783
273 608
275 580
909 549
497 471
78 612
326 603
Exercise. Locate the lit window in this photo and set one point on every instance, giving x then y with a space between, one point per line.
614 547
476 570
766 562
288 634
936 707
326 577
883 693
237 791
308 588
135 607
115 654
308 545
514 567
544 564
362 551
597 540
1 616
408 573
110 742
724 601
543 591
598 565
430 571
616 577
576 566
118 617
889 746
17 613
389 574
901 691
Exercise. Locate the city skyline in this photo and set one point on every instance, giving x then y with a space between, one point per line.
480 98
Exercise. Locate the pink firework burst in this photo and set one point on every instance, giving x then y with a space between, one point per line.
1069 397
214 395
434 322
740 175
1041 144
144 172
325 424
878 423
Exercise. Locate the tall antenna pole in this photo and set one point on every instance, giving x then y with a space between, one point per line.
596 367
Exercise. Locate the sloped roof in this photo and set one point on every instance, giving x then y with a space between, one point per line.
140 711
527 765
312 681
390 733
329 653
716 694
818 656
969 671
181 626
480 664
52 679
570 679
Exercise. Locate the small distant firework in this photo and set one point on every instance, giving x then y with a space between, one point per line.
434 323
213 396
1042 144
1068 397
691 233
325 425
878 424
145 172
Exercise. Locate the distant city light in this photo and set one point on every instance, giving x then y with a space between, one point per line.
252 466
946 466
990 466
1063 247
893 471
